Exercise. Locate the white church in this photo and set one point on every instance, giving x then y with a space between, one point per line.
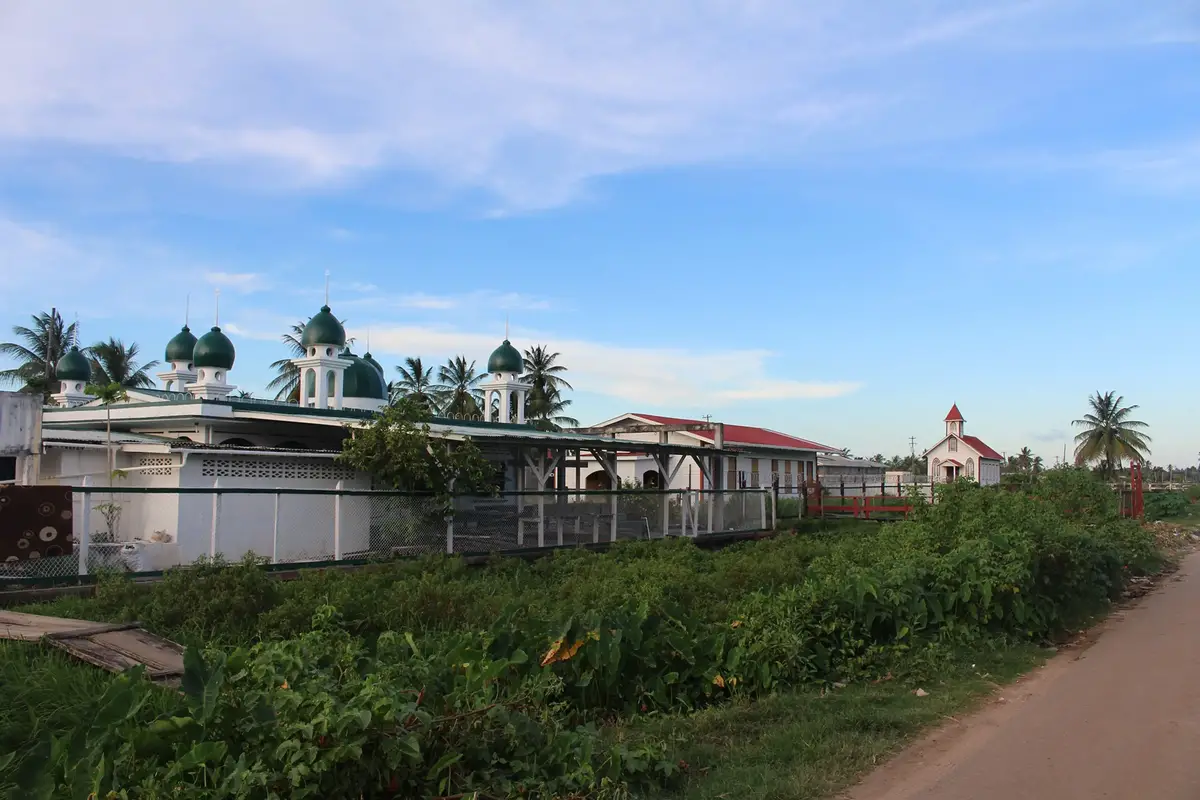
958 455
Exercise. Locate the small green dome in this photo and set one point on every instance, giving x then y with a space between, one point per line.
506 358
214 349
361 379
323 328
73 367
181 345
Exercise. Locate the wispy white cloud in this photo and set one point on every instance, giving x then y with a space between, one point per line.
244 282
653 377
526 101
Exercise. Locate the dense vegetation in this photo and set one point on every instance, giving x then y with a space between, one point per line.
431 679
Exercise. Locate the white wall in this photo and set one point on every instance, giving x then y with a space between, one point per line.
986 471
246 522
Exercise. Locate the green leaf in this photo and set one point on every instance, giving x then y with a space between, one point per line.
200 754
443 763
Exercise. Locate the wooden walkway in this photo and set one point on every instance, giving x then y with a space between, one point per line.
112 647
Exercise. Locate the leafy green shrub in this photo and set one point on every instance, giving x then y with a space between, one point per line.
1165 505
432 678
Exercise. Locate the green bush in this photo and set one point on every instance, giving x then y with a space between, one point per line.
433 678
1166 505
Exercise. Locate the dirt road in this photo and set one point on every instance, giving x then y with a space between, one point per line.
1119 719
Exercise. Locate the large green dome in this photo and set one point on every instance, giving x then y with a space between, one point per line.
367 357
323 328
181 345
506 358
361 379
73 367
214 349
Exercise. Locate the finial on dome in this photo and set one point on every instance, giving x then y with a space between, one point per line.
326 287
217 308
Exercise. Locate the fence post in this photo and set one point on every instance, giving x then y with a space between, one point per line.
450 524
85 538
337 520
216 515
774 509
275 532
542 517
612 523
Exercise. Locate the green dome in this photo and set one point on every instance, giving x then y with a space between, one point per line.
361 379
181 345
73 367
323 328
214 349
367 358
506 358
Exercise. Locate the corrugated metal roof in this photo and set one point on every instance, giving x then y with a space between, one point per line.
87 436
847 462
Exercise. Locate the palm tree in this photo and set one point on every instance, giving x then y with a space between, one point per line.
545 402
33 349
549 411
244 395
416 383
1025 459
114 362
456 388
1038 465
286 383
107 394
1109 435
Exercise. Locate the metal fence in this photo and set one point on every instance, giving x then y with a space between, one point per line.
144 530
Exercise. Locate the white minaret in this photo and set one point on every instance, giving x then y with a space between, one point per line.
179 355
504 383
322 370
73 372
212 359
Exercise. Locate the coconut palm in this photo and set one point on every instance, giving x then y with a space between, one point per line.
286 383
545 401
33 348
1109 434
416 384
542 369
114 362
1025 459
456 389
548 411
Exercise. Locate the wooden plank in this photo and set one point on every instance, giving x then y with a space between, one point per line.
31 627
96 654
91 630
158 654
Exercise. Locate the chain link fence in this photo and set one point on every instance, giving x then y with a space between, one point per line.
147 530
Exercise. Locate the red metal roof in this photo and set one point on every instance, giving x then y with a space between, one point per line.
950 461
744 434
955 415
976 444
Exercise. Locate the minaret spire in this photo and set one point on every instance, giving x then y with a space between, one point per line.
187 309
506 327
326 287
217 308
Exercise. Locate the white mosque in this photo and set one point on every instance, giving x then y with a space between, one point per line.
281 490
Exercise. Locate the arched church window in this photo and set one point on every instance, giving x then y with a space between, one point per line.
970 468
310 382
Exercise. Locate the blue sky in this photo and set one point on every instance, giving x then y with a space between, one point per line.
830 218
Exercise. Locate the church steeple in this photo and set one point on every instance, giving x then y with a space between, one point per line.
954 421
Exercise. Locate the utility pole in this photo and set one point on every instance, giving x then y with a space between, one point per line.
51 347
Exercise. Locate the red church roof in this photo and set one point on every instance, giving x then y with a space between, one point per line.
976 444
744 434
955 415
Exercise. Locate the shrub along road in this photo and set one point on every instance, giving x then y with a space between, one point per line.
1118 720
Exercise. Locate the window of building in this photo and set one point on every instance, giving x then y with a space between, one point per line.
970 468
953 445
754 473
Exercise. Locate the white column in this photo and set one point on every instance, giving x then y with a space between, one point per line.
337 520
216 515
520 407
487 405
83 538
322 397
505 405
337 385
